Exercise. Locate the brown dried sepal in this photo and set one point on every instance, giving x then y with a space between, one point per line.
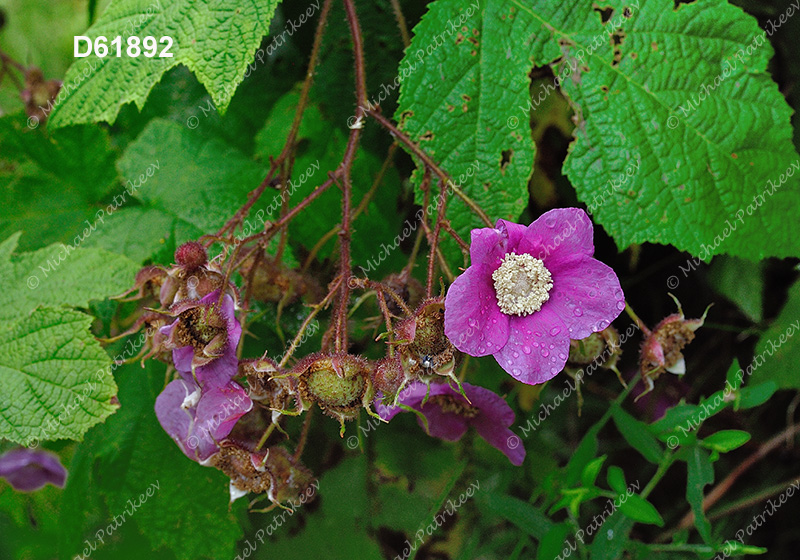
423 348
237 464
268 384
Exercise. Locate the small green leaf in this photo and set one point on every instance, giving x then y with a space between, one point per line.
684 415
726 440
700 473
582 456
637 435
95 88
639 509
612 538
552 544
55 379
522 514
590 472
751 397
735 548
616 479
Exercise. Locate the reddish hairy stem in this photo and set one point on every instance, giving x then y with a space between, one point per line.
428 161
288 146
435 243
345 271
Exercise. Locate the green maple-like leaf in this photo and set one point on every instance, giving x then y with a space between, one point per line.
76 162
196 185
55 379
57 275
462 68
678 103
215 39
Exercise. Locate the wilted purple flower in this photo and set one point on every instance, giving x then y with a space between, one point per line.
528 291
28 470
449 415
204 337
199 418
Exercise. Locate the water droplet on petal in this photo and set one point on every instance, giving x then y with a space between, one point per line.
545 352
554 331
515 354
618 294
550 221
592 293
516 371
621 305
526 349
577 311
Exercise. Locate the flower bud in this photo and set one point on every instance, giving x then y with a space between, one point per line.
191 256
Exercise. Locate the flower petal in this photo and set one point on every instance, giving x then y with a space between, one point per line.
487 247
559 235
587 296
501 438
537 347
443 425
492 405
28 470
472 319
176 420
219 409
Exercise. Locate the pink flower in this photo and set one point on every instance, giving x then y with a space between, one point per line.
197 419
204 338
28 470
449 415
528 291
